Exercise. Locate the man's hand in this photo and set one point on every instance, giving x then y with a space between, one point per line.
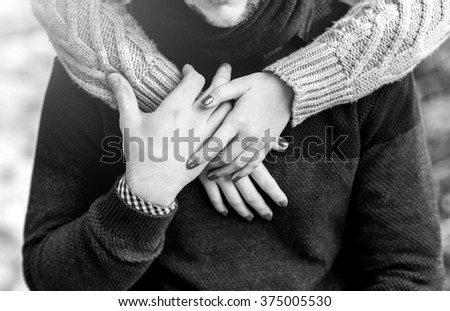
154 170
263 109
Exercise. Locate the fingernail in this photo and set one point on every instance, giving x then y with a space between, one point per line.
208 100
283 203
213 177
191 165
249 218
283 143
267 217
224 213
113 80
236 179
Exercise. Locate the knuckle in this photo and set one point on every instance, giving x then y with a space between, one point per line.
124 97
222 76
120 96
245 172
228 107
217 93
222 161
235 203
220 79
253 165
252 200
238 165
219 173
197 78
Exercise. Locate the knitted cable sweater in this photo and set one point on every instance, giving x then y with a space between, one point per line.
376 43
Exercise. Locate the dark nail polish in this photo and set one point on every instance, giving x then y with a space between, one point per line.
191 165
283 203
213 177
267 217
208 100
249 218
236 179
224 213
283 143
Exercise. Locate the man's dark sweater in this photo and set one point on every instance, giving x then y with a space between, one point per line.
362 213
369 222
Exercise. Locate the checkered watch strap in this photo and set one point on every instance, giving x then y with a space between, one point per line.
141 205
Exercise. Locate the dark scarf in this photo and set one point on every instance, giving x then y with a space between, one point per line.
184 37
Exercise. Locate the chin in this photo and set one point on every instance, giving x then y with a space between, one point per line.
222 13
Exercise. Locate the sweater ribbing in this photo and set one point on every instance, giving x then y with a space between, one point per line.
376 43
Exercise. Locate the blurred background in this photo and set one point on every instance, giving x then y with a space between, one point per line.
25 62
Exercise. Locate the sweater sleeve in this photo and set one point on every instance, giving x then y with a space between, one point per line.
79 233
376 43
96 38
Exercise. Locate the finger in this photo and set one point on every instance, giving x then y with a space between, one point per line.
227 92
239 162
222 76
268 184
253 198
213 191
227 155
231 153
249 160
126 100
188 89
187 69
213 146
216 119
281 145
250 166
234 199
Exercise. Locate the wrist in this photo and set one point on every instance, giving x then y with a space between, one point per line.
153 190
285 90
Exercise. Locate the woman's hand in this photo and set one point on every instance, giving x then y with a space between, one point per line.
262 111
242 194
155 168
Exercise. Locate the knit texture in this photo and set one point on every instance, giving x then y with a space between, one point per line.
362 213
96 38
377 43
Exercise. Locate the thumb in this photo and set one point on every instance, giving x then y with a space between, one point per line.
125 98
232 90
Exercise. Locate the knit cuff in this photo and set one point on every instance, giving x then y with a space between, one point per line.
317 77
152 89
127 223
